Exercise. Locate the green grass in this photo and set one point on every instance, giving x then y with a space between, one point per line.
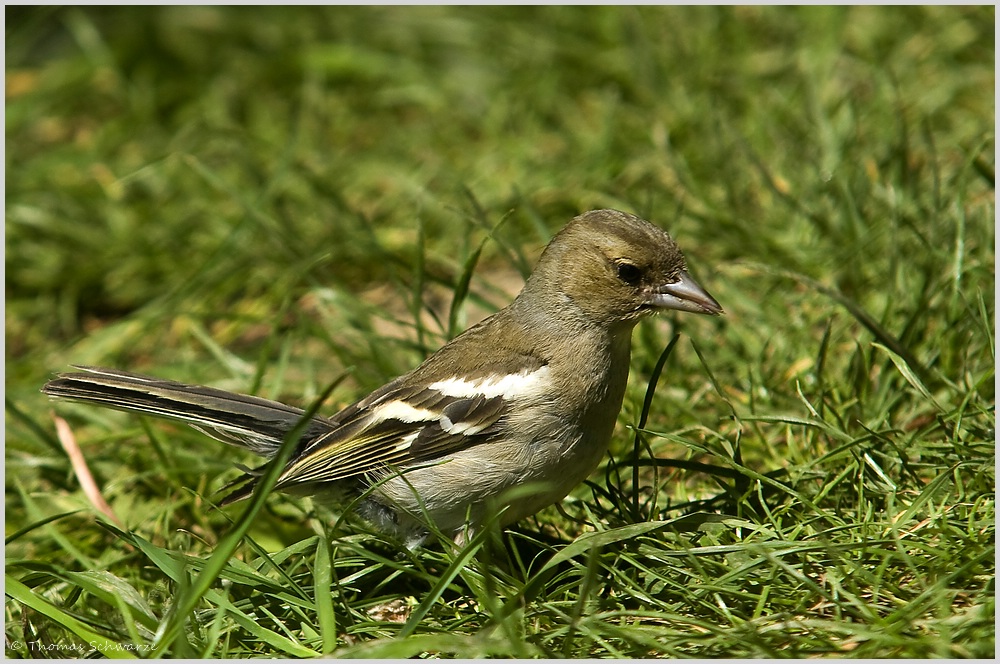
264 199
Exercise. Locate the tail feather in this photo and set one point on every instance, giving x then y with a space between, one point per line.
256 424
240 488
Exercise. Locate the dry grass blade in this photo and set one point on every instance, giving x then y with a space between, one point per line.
82 470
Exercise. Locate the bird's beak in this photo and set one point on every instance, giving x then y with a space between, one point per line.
685 295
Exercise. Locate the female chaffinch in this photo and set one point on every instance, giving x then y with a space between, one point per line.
530 395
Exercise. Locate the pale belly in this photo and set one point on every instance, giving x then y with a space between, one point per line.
470 486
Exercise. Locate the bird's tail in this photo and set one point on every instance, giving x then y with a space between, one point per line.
256 424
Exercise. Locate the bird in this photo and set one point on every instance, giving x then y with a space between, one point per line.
528 397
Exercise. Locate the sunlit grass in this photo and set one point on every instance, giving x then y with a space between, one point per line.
263 199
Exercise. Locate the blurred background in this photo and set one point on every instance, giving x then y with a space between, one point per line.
264 199
198 161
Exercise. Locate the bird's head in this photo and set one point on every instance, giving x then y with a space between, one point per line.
614 268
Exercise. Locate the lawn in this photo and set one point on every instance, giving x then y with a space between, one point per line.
279 200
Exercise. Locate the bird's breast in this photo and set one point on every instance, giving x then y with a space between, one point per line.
551 439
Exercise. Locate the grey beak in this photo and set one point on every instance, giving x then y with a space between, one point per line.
685 295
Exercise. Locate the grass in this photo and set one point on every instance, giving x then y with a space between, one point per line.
268 199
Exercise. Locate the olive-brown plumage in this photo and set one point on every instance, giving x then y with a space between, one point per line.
528 396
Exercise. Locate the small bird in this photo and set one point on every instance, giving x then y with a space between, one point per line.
529 395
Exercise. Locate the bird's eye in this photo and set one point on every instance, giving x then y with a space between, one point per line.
629 273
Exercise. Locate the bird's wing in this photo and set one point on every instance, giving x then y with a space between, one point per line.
396 426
